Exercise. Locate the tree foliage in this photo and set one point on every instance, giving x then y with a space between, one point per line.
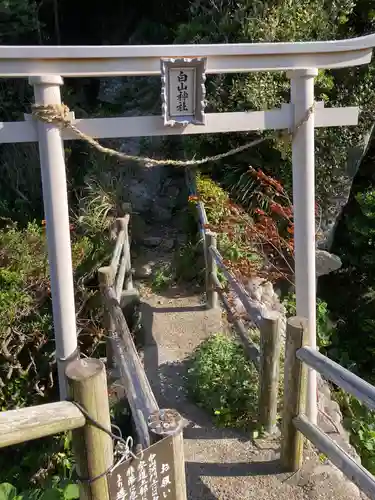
286 20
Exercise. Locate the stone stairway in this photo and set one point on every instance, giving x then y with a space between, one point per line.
221 464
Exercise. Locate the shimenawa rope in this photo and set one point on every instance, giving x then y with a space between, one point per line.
58 114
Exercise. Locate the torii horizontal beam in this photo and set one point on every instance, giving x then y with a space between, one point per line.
143 126
128 60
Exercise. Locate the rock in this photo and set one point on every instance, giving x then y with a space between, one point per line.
167 203
335 406
138 227
143 271
181 240
336 417
326 262
140 197
152 241
173 192
339 191
167 244
162 214
110 89
268 290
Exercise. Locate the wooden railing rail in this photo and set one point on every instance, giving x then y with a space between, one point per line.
296 425
34 422
119 270
251 349
118 275
340 376
265 358
92 447
133 377
253 312
121 350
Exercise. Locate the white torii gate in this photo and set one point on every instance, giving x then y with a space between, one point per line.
45 67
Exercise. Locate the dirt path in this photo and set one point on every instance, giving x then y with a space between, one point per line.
221 464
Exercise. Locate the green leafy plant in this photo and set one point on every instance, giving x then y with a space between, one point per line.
360 421
58 490
186 263
162 278
28 367
221 380
324 327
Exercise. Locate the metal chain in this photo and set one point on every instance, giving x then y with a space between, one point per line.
58 114
126 443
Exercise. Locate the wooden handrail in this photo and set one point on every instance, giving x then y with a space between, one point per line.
266 359
339 375
26 424
251 349
137 387
92 446
295 392
90 422
117 273
343 461
251 310
298 356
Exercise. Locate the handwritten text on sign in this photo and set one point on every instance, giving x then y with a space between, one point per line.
182 91
148 478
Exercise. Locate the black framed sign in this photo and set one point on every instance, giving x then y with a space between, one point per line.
149 477
183 91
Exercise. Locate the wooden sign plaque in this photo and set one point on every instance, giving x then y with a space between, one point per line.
149 477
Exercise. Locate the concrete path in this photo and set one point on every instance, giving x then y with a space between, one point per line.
221 464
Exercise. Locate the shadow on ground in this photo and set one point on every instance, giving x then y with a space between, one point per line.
168 380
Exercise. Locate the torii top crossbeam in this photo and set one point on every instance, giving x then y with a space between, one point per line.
131 60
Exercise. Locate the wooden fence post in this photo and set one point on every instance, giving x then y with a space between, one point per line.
211 269
164 423
106 278
295 392
269 371
128 285
119 273
92 447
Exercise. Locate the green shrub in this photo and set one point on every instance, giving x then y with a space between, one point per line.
231 223
282 21
324 328
222 381
162 278
27 365
58 490
189 263
360 422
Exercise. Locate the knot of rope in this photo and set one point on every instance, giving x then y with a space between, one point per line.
58 114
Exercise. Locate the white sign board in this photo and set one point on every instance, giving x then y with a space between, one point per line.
183 91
